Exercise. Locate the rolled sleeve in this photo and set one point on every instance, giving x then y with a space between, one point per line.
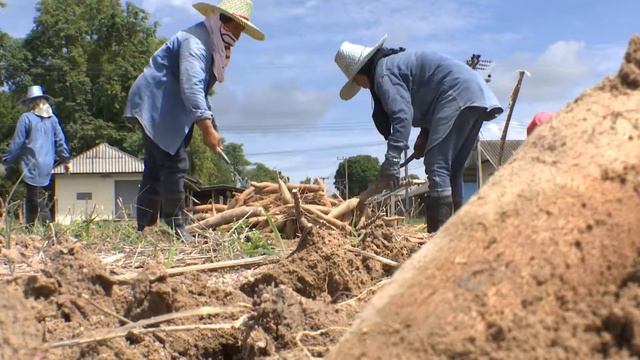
396 100
193 62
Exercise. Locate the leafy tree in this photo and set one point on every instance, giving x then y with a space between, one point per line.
87 54
307 180
262 173
362 169
205 165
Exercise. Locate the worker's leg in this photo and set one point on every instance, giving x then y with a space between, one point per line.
148 200
44 214
173 170
31 204
439 160
476 116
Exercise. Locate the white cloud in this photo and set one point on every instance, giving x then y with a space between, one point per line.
275 105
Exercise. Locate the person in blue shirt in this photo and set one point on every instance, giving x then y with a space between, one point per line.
443 97
37 142
170 97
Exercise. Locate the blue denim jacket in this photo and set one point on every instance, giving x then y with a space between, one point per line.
36 143
427 90
171 93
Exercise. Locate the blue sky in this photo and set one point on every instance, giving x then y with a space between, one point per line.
281 96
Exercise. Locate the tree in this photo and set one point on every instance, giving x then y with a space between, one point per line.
307 180
363 169
262 173
87 54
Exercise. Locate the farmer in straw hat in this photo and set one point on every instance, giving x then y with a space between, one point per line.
170 96
37 141
446 99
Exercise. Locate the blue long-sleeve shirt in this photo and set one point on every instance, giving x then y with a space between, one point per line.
171 94
36 143
427 90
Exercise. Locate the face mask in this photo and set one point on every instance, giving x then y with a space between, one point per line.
41 108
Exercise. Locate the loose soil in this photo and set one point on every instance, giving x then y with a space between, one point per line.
297 294
543 262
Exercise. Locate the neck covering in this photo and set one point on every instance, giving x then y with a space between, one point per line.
41 108
221 43
379 115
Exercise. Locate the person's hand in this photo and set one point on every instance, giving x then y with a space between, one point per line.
67 167
210 136
390 172
420 146
3 171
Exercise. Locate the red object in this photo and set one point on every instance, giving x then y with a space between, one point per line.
539 119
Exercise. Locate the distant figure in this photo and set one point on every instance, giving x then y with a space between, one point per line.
443 97
539 119
36 143
171 96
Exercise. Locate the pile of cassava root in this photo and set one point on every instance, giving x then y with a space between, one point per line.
287 207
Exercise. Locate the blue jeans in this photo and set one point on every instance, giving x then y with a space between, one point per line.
445 161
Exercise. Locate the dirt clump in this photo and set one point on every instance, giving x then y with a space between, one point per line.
20 334
542 263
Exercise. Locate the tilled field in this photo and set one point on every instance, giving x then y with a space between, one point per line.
294 306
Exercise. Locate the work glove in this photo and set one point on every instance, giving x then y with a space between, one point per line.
390 172
420 146
3 171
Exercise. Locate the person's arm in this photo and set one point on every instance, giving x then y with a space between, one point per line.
17 142
396 100
193 62
62 149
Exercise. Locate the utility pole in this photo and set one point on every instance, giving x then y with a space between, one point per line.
346 174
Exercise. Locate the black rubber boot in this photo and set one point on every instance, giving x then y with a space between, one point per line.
457 204
147 210
439 210
172 210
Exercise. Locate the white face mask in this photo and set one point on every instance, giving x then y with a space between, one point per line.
41 108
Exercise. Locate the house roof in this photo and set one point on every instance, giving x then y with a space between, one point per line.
103 159
491 149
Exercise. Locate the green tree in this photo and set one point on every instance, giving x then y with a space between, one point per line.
307 180
87 54
362 169
207 166
262 173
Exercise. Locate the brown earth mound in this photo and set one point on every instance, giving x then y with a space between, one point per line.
298 312
543 261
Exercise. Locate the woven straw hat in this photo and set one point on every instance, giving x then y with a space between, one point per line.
238 10
350 59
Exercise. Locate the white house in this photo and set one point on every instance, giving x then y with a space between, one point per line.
103 184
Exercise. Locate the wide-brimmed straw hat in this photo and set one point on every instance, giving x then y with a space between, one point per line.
350 59
35 92
238 10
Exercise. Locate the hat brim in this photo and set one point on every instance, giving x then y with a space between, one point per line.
351 89
24 101
249 28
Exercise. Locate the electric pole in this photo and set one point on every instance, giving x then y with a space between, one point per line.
346 174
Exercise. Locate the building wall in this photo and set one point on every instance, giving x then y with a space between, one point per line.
102 189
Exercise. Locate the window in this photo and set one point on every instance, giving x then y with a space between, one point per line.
84 196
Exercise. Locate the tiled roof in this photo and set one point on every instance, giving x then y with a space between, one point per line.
103 159
491 149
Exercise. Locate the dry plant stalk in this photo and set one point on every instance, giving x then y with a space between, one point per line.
315 333
127 278
365 292
373 256
137 326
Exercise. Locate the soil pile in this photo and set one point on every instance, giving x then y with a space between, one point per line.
295 307
543 262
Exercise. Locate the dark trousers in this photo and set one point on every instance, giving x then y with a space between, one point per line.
37 205
162 188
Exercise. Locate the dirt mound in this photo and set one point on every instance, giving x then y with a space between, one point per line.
326 270
630 71
542 262
20 335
